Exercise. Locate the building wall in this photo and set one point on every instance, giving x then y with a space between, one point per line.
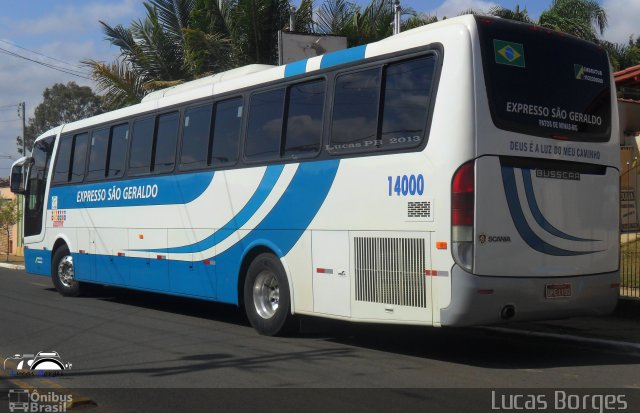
629 118
629 115
12 240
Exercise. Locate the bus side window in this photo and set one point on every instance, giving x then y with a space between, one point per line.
407 95
118 150
164 154
63 160
98 154
79 157
196 137
141 146
304 119
226 132
355 111
265 125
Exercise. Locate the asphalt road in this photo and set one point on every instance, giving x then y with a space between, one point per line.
134 351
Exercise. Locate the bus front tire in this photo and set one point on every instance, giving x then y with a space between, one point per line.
267 300
63 273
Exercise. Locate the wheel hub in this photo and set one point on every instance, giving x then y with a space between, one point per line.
65 271
266 294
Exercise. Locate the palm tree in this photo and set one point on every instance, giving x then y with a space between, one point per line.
363 25
152 53
515 14
581 18
180 40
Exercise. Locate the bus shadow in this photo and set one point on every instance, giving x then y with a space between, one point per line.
171 304
476 347
468 346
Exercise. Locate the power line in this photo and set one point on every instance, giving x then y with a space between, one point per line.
38 53
7 120
8 106
49 65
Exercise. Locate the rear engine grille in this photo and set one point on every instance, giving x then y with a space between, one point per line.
390 271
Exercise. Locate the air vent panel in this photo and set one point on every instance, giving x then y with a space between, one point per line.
390 271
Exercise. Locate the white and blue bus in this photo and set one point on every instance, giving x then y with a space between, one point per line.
460 173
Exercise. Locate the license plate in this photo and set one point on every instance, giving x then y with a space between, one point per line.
557 290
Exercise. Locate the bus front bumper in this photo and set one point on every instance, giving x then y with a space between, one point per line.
481 300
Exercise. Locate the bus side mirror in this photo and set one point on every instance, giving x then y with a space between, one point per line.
20 174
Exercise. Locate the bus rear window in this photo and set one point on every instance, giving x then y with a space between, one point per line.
545 83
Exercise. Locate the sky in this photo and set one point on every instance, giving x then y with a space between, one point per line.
62 33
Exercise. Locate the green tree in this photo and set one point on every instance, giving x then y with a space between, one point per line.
364 25
516 14
581 18
8 218
61 104
151 53
181 40
623 55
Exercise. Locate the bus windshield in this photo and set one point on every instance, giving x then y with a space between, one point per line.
545 83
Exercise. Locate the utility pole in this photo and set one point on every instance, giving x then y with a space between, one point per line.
21 203
23 115
292 18
397 10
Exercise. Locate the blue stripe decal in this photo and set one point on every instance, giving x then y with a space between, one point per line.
280 230
537 214
182 278
160 190
342 56
295 68
265 187
519 220
37 261
283 226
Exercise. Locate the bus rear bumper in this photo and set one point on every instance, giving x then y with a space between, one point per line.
478 300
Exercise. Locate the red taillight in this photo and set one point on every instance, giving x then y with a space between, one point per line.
462 195
462 200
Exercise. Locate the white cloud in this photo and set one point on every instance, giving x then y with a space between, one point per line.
624 20
68 33
452 8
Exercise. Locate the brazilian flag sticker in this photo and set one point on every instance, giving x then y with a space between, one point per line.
508 53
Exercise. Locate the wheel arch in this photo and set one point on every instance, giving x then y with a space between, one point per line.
60 242
251 252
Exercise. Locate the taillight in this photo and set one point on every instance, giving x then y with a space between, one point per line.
462 203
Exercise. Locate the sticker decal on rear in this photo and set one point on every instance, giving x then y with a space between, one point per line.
509 53
588 74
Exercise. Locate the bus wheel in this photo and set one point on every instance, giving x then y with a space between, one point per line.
62 273
267 300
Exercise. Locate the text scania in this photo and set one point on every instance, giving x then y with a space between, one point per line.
117 193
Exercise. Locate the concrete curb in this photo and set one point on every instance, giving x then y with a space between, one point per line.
11 266
627 347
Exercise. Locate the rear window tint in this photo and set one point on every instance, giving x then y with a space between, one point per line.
544 83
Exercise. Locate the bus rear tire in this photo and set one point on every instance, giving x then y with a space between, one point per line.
267 300
63 273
